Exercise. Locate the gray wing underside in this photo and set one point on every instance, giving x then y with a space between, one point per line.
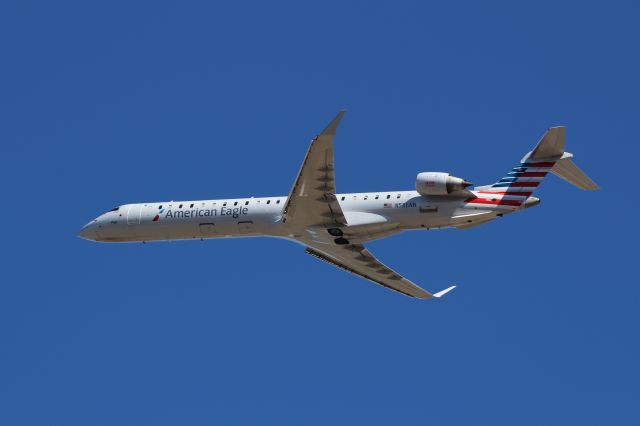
312 199
355 258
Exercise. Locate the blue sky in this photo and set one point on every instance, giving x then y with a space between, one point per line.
115 102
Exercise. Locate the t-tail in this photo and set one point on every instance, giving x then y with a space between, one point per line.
516 188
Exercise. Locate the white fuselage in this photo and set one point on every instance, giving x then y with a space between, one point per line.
335 227
372 215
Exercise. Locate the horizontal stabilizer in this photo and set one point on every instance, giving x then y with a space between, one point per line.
566 169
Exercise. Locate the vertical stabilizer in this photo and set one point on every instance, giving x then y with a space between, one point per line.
550 146
547 156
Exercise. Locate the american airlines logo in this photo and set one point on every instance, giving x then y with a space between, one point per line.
157 217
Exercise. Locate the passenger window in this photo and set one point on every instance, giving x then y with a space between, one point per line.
366 197
278 202
191 205
224 204
235 203
398 196
160 207
268 201
377 196
180 206
388 196
246 203
342 199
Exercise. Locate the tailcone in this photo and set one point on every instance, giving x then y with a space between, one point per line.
530 202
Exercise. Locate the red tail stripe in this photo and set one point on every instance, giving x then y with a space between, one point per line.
516 193
498 201
532 174
524 184
543 164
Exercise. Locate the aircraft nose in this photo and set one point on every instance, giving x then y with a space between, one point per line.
88 232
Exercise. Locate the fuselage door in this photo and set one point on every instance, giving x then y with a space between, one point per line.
133 214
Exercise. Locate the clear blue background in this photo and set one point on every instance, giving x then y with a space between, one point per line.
106 103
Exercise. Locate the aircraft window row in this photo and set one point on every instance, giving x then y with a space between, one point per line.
224 204
366 197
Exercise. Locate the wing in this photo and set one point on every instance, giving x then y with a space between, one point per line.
312 199
355 258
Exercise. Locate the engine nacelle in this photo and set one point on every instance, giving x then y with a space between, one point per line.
438 183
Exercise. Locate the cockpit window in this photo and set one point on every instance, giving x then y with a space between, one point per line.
115 209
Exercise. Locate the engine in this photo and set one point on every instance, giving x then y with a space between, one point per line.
438 183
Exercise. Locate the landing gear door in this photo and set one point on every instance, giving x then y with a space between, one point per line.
246 227
207 229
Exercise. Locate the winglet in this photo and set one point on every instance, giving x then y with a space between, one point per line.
443 292
331 127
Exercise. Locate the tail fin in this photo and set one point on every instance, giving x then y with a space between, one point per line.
547 156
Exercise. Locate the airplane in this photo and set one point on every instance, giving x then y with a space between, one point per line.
334 227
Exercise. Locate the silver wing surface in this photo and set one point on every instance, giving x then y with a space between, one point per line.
355 258
312 199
